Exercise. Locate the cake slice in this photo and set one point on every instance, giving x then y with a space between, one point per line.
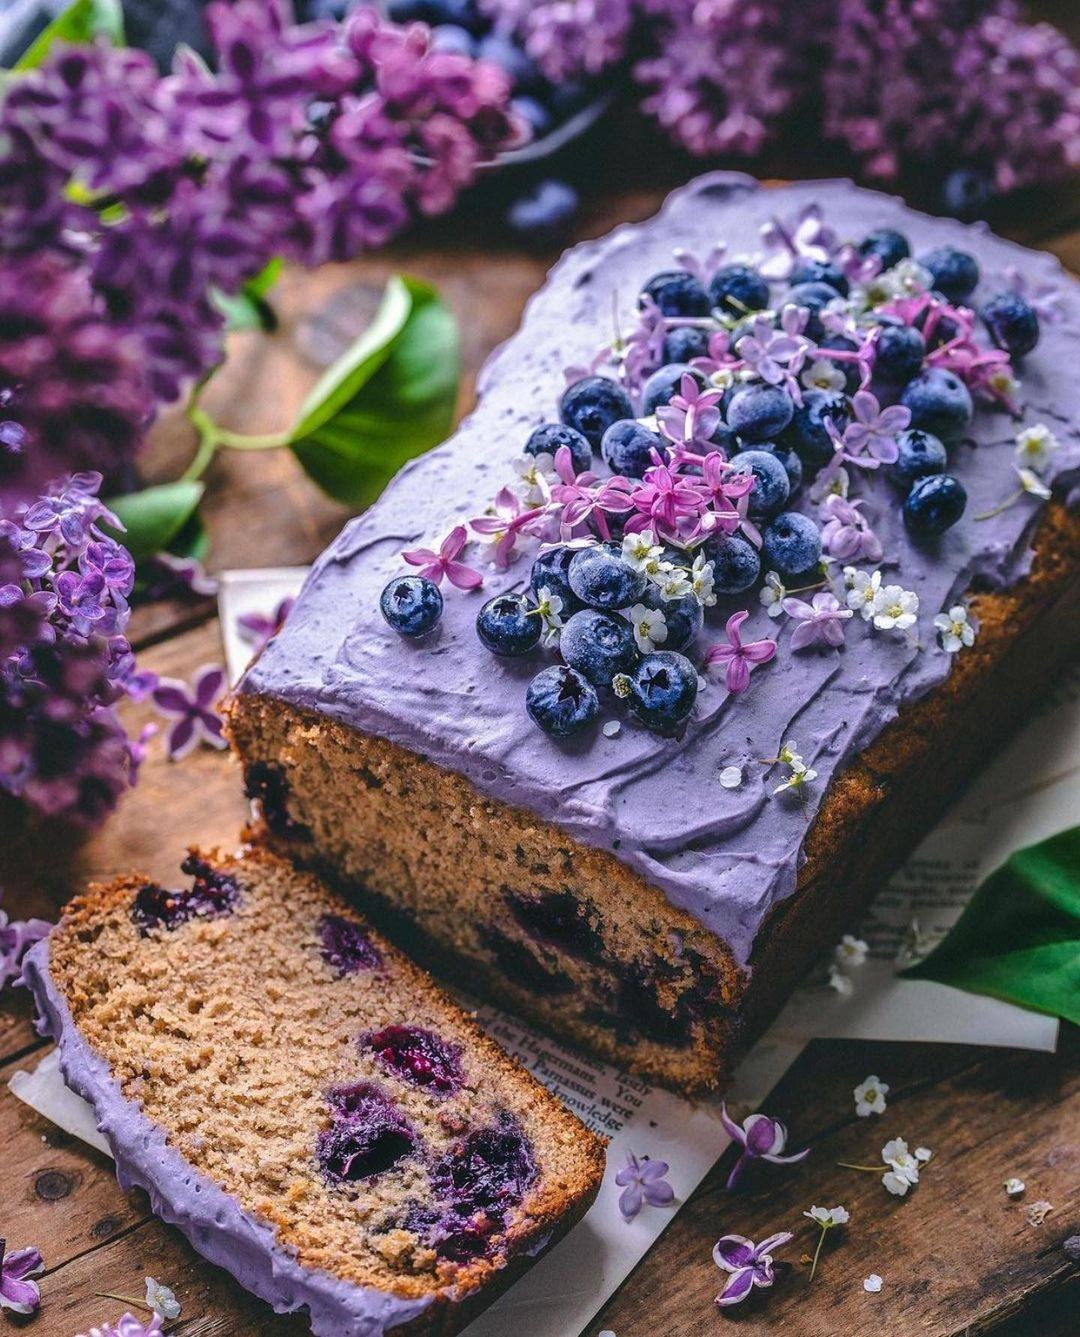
302 1102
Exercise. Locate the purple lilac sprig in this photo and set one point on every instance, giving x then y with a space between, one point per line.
65 662
17 936
18 1292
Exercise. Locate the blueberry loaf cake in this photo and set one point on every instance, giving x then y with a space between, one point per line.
302 1102
618 705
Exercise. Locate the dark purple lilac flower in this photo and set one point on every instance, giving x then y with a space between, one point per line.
257 628
748 1263
166 576
17 936
192 709
643 1182
761 1138
17 1292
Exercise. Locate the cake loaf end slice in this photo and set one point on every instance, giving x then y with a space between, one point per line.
302 1101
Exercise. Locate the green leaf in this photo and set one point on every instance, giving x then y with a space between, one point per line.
249 309
387 399
81 22
153 518
1019 938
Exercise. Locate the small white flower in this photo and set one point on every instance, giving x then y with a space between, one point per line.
789 755
840 982
1014 1187
800 777
772 595
1003 383
533 476
851 951
955 629
829 484
822 374
611 729
829 1216
672 582
639 551
903 1172
550 606
1036 447
871 1285
722 378
1032 484
701 581
863 588
161 1299
870 1097
894 608
650 627
923 1154
731 777
1039 1211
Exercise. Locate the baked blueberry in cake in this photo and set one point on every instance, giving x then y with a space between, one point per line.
749 618
302 1102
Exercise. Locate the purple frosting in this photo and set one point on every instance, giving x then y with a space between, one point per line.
210 1218
725 856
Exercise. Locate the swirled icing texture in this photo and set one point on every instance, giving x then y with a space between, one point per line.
725 856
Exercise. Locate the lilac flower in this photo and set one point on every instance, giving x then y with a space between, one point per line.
643 1181
257 628
666 502
166 576
192 709
17 1292
510 519
435 565
739 658
761 1138
870 438
17 936
642 351
691 417
846 533
820 620
1044 298
750 1264
803 237
129 1326
777 357
702 270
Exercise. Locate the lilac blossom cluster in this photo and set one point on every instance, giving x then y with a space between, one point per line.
932 84
128 199
65 662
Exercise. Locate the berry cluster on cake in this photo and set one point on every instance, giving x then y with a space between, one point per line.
620 702
302 1102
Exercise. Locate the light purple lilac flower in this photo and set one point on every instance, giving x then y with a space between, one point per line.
436 565
775 355
17 1292
761 1138
739 658
192 709
129 1326
511 518
846 533
17 936
643 1181
691 416
805 236
821 620
750 1264
1043 298
257 628
870 437
166 576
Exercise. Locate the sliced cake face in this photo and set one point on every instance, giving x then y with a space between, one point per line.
297 1064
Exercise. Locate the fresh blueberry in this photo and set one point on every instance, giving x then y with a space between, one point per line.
451 38
899 354
940 403
544 211
966 192
683 617
598 645
677 293
549 572
591 405
664 383
808 434
919 454
501 49
759 412
602 578
411 604
1012 323
955 273
661 691
685 342
550 436
771 488
887 244
814 297
562 701
533 112
934 504
737 289
788 458
848 369
820 271
627 448
736 564
509 625
792 544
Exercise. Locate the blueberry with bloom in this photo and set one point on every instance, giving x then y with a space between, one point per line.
748 1263
761 1137
17 936
821 621
445 562
737 656
18 1292
643 1181
192 710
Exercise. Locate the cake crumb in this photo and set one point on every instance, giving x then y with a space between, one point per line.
612 729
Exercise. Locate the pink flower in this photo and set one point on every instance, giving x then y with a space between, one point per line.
777 357
820 620
1044 300
509 520
702 270
750 1264
192 710
870 439
719 357
691 417
435 565
17 936
739 658
577 499
803 237
664 500
846 533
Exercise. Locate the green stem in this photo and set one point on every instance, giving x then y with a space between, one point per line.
817 1251
211 437
997 510
124 1299
870 1169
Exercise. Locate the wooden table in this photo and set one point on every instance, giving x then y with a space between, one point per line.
957 1256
